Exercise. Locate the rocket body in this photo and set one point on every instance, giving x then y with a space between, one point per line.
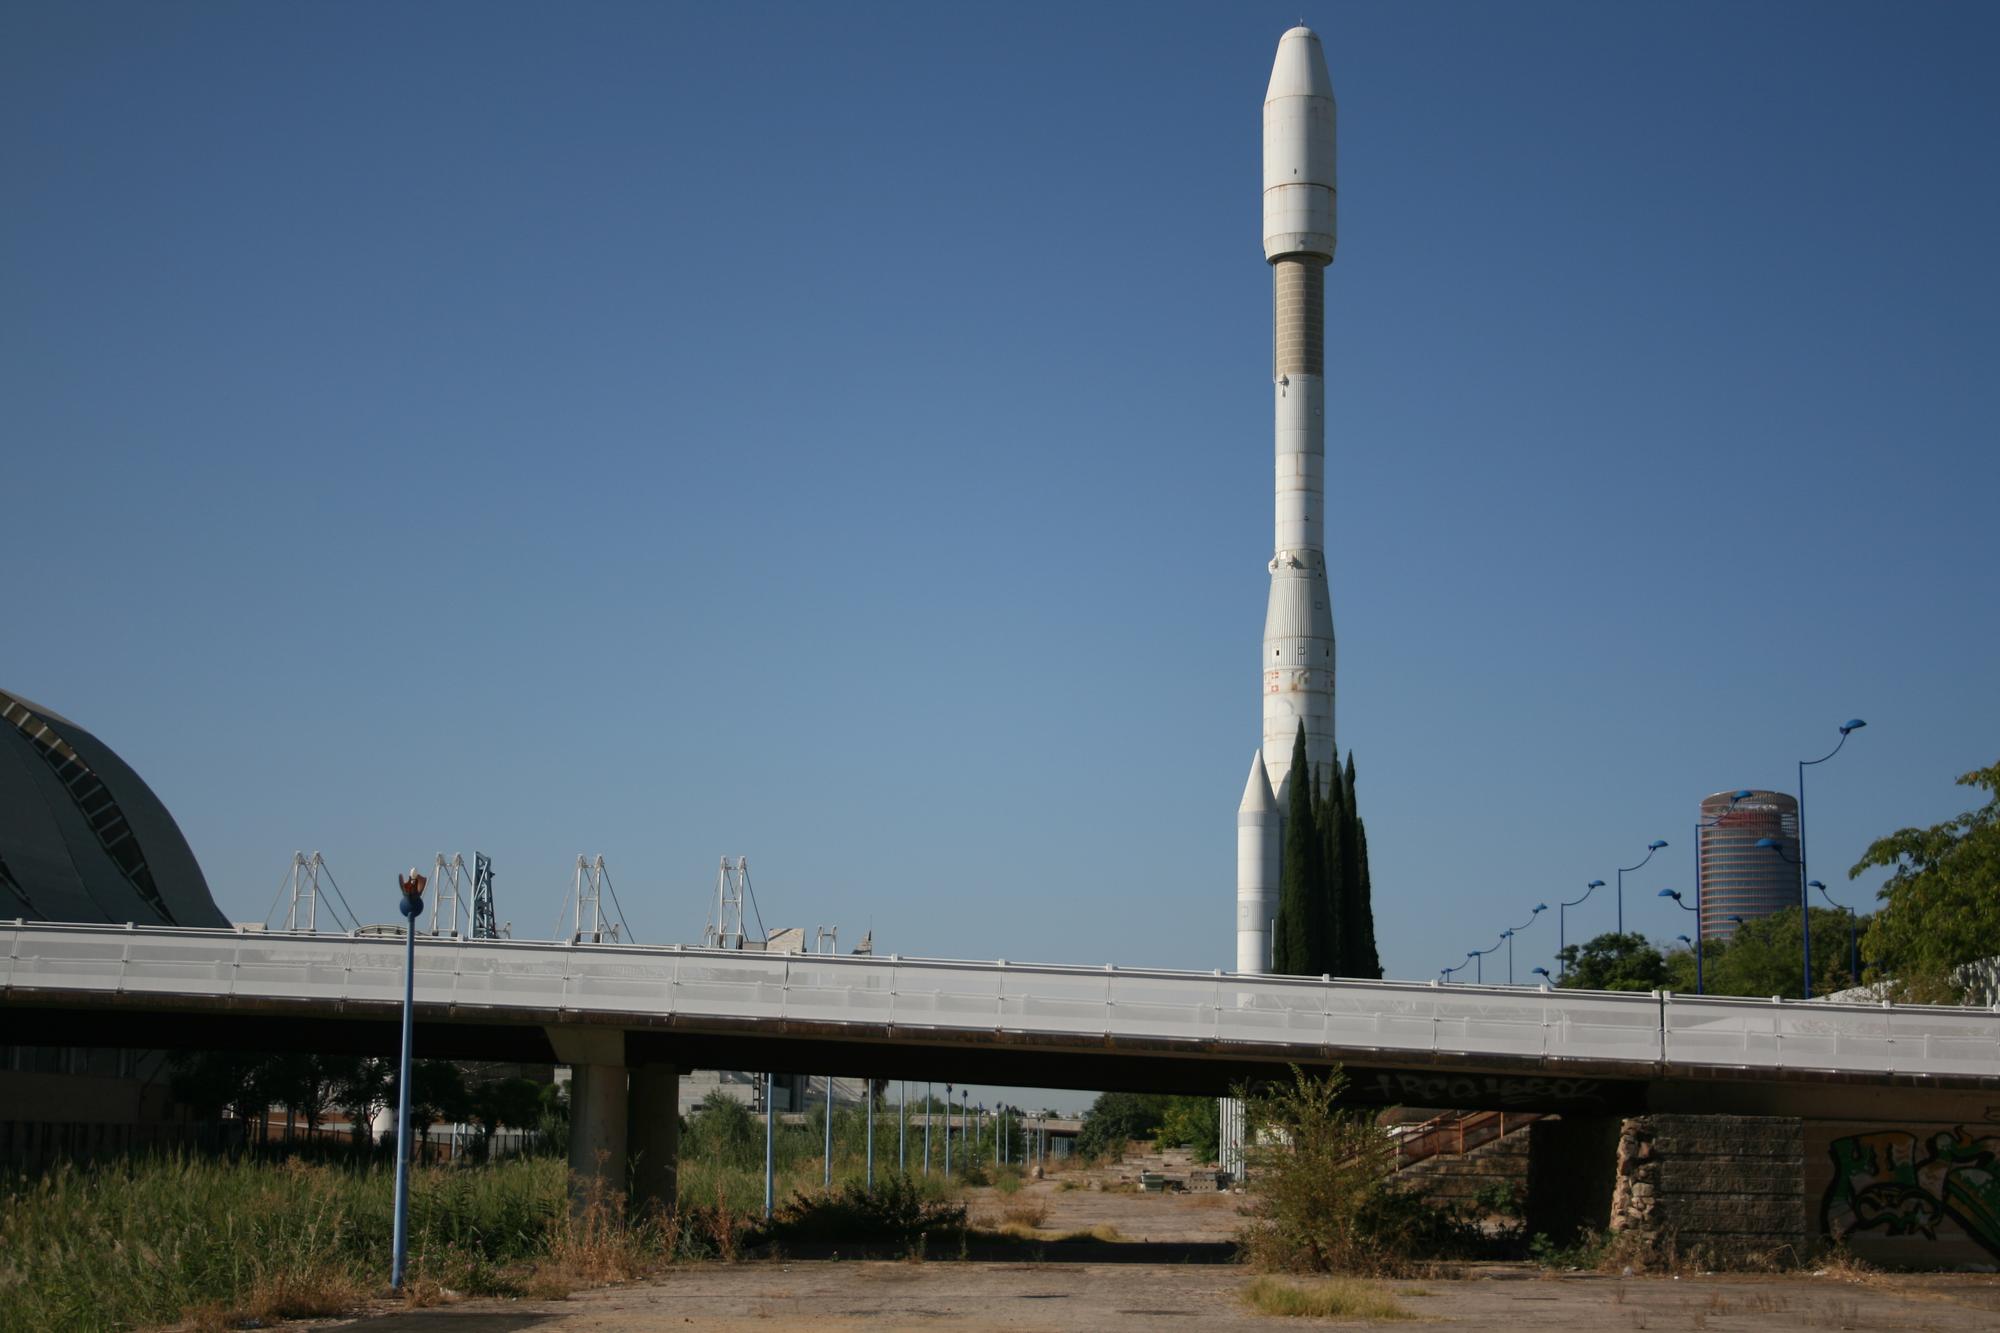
1297 676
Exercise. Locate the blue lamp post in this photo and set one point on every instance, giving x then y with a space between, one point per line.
1562 933
1805 910
1847 728
1675 894
1508 935
1479 973
1853 931
1446 972
1623 871
411 906
1543 973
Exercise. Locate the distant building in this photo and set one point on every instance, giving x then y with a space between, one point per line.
84 839
1739 878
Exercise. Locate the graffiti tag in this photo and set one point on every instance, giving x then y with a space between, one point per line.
1486 1091
1889 1180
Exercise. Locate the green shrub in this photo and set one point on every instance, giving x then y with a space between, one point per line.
1316 1174
899 1209
1587 1253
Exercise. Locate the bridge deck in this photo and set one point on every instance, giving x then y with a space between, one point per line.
1033 1024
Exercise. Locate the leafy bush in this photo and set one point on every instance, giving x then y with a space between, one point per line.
899 1209
1588 1253
1501 1197
1316 1175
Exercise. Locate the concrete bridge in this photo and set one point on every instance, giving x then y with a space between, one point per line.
628 1018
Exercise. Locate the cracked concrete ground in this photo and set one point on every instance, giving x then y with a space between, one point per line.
1020 1297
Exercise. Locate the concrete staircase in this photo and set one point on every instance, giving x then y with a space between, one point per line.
1449 1159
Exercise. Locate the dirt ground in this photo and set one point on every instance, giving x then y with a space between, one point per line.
1173 1272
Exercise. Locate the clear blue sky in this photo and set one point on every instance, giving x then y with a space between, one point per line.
841 435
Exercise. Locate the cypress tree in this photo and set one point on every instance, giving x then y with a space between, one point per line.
1359 916
1301 932
1368 963
1333 877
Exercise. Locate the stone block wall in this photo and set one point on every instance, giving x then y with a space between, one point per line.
1711 1188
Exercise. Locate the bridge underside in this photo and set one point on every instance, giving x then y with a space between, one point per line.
1376 1078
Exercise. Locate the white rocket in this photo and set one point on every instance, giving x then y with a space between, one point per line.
1298 626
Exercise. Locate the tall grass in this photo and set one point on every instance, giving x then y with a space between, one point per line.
1334 1298
154 1240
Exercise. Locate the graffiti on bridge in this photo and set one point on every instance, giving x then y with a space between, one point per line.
1489 1091
1901 1184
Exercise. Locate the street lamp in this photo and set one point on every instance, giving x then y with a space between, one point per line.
1651 847
1479 974
1543 973
1445 972
1508 935
1853 931
1847 728
410 905
1675 894
1562 933
1805 912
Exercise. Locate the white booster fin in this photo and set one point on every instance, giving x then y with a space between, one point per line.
1257 826
1298 654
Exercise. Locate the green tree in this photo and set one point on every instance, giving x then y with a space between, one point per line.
362 1088
722 1129
1334 860
1614 962
1194 1123
515 1102
1764 957
1115 1119
1301 932
211 1083
306 1084
1363 960
437 1092
1941 904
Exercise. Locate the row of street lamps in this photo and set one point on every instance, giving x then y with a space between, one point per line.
1476 958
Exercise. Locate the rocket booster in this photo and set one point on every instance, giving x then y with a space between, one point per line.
1298 657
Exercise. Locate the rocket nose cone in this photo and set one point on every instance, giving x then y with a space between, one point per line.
1300 69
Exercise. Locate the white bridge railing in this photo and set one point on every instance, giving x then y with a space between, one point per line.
1256 1012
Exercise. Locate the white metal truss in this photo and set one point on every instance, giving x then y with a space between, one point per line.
301 892
726 928
303 882
591 925
449 881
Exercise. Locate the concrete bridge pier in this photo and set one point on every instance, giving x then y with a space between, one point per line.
655 1136
624 1121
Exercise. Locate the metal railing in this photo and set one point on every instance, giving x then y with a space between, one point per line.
951 995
